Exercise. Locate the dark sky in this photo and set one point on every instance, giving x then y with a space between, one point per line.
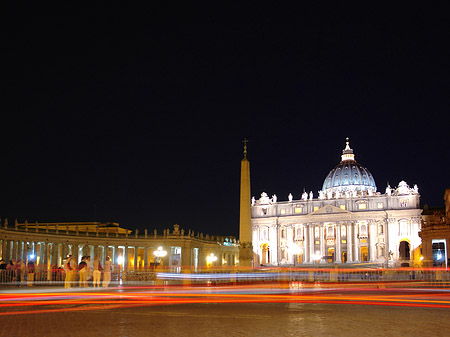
142 124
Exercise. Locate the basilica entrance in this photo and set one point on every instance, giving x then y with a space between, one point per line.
344 257
265 254
364 254
330 255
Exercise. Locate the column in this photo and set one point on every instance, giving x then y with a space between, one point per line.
14 256
125 258
306 245
4 249
349 243
355 242
145 258
372 235
338 243
322 243
135 258
311 242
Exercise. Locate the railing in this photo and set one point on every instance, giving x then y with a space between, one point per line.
423 277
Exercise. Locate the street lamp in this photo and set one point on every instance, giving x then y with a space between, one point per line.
159 253
211 258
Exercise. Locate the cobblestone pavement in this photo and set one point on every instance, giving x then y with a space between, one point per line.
229 319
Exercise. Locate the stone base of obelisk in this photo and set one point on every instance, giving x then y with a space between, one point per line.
246 257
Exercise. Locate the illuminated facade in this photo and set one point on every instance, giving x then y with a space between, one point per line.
349 222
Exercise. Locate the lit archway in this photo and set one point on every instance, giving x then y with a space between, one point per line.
265 254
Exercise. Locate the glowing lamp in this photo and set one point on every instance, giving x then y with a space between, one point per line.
32 256
160 252
211 258
120 259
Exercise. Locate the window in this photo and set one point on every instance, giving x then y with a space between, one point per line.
316 208
283 233
380 229
299 233
363 229
298 210
330 231
342 207
264 211
362 206
343 231
283 211
380 205
316 232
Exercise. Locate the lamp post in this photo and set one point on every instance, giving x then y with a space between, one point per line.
210 259
159 253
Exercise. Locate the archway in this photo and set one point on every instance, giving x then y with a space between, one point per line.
404 250
265 254
344 257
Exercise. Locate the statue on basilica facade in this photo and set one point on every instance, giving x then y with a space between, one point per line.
290 197
305 196
311 195
388 190
274 198
321 195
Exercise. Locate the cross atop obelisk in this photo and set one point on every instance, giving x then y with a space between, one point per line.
245 141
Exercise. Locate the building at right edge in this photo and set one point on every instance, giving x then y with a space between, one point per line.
348 222
435 235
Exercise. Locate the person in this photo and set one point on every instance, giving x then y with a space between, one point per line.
67 269
73 271
21 271
31 270
107 273
97 273
82 267
89 267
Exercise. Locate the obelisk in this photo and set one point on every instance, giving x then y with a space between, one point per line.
245 219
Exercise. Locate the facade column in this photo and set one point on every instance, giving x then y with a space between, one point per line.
145 258
372 235
14 256
349 243
135 258
125 258
5 255
322 242
338 243
355 243
311 241
306 245
4 250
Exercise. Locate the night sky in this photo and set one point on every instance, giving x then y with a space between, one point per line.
143 124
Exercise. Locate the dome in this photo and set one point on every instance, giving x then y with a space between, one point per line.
349 175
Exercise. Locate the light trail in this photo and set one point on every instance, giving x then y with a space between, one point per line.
149 296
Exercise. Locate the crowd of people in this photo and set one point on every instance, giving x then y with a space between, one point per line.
22 272
87 270
17 271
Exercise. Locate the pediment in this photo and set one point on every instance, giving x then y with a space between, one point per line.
329 209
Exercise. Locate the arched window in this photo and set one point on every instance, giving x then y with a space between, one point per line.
343 231
363 229
330 231
316 232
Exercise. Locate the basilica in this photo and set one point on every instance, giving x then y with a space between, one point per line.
348 221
